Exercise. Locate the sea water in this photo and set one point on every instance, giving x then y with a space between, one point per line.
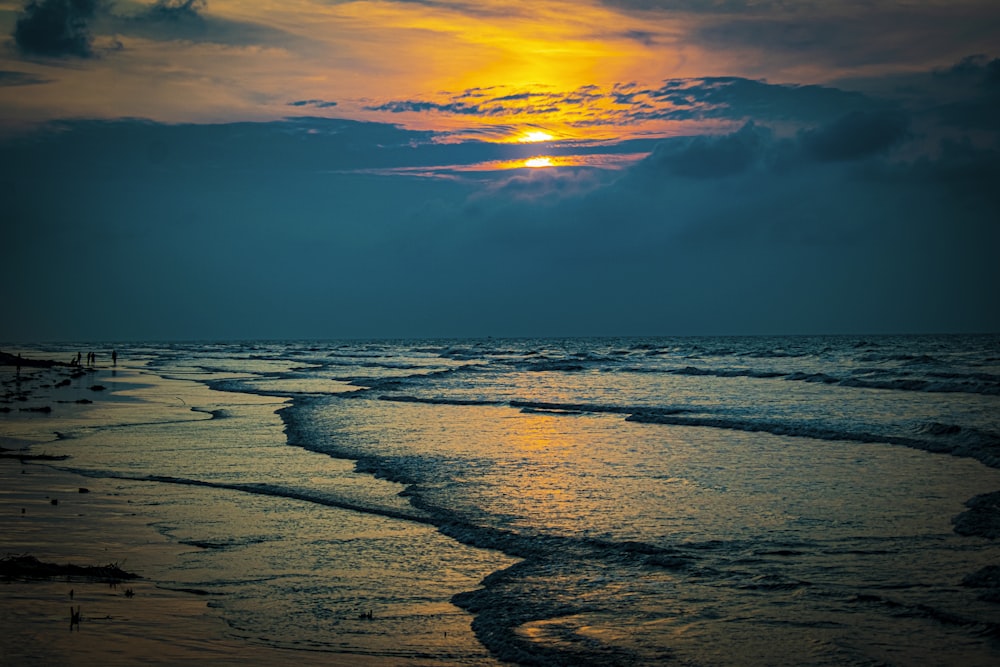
712 501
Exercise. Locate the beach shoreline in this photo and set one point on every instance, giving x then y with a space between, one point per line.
61 517
274 520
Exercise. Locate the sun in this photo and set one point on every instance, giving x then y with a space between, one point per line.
535 136
538 162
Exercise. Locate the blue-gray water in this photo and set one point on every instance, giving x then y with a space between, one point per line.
782 500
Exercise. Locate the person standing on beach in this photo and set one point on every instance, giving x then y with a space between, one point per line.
114 357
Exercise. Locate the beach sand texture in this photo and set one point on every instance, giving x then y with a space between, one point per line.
60 517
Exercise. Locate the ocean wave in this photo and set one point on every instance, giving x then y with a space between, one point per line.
964 386
392 382
558 365
274 490
575 408
461 354
906 359
925 611
980 445
774 354
436 400
875 378
725 372
821 378
860 378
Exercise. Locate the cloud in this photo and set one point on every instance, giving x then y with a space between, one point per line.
189 20
751 231
701 6
318 104
711 157
855 34
714 234
857 135
978 67
738 98
9 78
978 77
625 104
64 28
176 9
56 28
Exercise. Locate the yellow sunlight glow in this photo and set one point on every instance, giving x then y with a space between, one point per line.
535 136
538 162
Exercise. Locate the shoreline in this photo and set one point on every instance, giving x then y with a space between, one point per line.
220 443
63 517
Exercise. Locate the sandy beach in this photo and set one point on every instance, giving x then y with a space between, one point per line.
62 518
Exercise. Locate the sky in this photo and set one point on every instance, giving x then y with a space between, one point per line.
324 169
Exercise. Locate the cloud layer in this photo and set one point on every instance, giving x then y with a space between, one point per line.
190 169
853 224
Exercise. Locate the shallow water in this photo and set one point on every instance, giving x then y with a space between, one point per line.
716 501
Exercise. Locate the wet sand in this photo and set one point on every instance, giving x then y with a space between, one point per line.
44 514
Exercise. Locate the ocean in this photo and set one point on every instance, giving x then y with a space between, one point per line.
627 501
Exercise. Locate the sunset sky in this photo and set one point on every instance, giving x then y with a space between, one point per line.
228 169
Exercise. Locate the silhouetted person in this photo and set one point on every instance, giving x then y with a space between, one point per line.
74 618
114 357
19 364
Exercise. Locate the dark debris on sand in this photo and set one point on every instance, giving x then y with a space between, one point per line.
982 519
8 359
29 567
23 455
987 579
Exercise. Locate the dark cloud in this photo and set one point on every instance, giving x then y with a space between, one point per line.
702 6
968 172
9 78
738 98
857 34
644 37
854 137
760 230
857 135
189 20
176 9
318 104
978 68
64 28
408 106
711 157
976 94
729 98
56 28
